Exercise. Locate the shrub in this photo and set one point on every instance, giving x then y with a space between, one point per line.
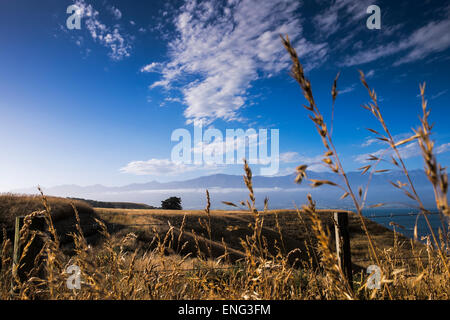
172 203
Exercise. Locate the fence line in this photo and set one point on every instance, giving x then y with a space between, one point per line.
238 269
139 224
338 230
123 225
165 224
399 215
193 269
396 258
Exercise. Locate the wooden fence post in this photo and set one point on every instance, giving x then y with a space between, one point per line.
343 244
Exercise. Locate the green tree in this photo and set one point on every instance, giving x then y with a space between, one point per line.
172 203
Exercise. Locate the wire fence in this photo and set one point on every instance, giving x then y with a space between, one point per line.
239 267
400 215
394 258
372 216
399 221
236 268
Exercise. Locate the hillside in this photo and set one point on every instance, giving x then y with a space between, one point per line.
62 213
176 249
229 227
114 205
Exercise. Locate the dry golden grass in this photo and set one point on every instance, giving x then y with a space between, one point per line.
62 213
14 205
180 263
436 174
231 225
250 254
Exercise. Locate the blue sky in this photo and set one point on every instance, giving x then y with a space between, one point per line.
99 105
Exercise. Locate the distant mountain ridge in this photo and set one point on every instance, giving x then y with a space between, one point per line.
236 181
281 190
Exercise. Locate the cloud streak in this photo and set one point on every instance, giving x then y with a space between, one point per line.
162 167
225 47
314 163
410 150
109 37
431 38
329 21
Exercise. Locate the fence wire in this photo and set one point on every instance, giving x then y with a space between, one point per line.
400 215
238 269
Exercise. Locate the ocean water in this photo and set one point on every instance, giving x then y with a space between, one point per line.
406 220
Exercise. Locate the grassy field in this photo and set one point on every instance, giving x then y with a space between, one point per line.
229 227
249 254
63 217
208 254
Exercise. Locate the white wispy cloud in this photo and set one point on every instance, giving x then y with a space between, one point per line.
162 167
347 89
369 74
327 22
115 12
437 95
227 45
212 190
340 12
397 138
152 67
369 142
408 151
314 163
110 37
173 99
431 38
443 148
290 157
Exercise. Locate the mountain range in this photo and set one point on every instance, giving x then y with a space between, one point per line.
281 190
